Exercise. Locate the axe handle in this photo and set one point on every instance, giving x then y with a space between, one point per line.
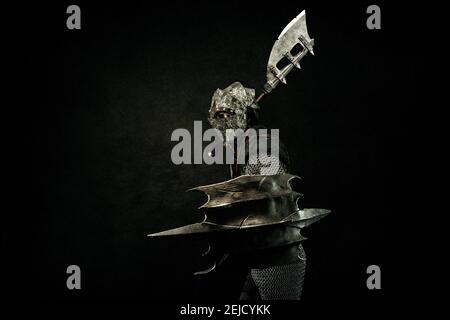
260 96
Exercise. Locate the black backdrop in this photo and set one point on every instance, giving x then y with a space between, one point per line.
92 110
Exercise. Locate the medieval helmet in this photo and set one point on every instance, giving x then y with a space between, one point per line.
229 107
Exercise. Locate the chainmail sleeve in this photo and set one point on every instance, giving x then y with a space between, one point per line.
275 281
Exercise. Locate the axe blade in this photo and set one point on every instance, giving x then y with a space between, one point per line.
294 33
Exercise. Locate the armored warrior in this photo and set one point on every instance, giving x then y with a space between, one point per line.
256 211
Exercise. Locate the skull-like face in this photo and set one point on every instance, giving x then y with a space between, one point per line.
229 107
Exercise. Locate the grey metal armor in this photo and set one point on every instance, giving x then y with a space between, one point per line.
256 211
270 278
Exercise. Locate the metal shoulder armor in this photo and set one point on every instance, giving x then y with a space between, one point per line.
251 212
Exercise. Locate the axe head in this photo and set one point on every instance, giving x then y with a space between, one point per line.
294 33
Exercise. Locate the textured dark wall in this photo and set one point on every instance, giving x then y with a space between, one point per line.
98 111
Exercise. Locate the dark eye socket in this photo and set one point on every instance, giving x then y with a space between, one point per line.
223 114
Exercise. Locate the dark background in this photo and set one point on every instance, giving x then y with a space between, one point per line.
88 143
